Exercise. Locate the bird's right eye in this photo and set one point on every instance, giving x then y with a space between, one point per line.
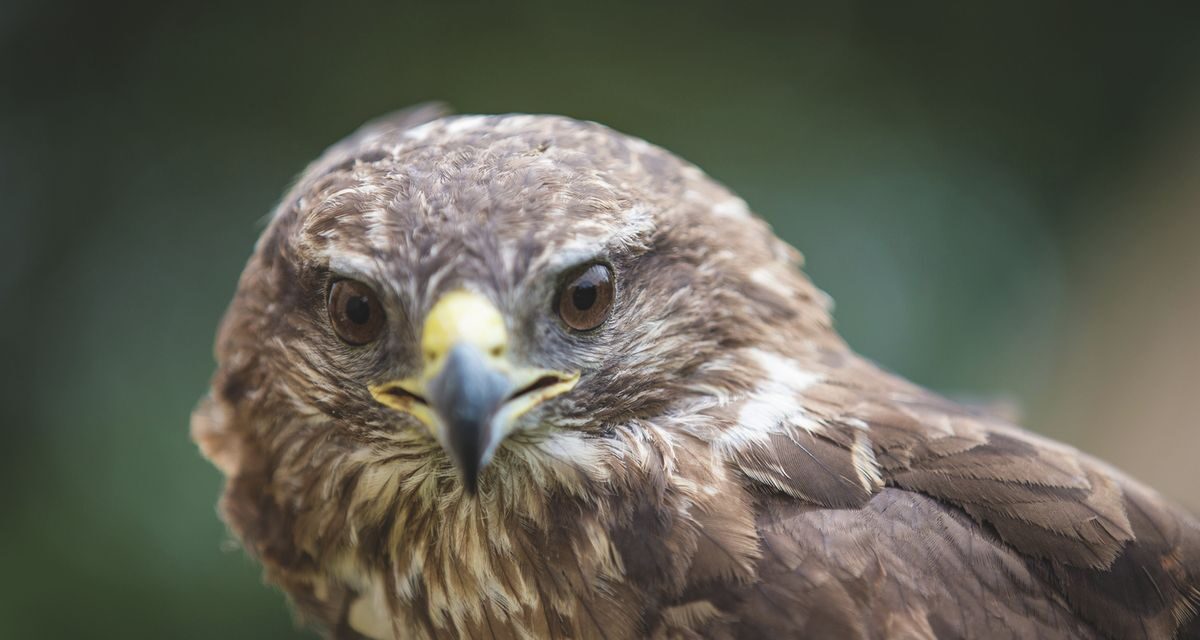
355 312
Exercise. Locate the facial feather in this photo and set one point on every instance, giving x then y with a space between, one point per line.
719 428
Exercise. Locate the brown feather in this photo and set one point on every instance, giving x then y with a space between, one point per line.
726 467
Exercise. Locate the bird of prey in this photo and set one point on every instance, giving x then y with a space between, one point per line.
527 377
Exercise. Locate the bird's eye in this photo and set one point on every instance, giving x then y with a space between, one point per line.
586 299
355 312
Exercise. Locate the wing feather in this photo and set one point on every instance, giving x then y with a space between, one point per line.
1012 512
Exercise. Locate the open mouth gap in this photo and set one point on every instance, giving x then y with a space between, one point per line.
541 383
404 394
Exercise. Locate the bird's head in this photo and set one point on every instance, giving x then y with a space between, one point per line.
470 285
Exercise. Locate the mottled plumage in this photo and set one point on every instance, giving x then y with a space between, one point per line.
724 466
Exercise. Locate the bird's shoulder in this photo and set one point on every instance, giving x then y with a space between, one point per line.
869 489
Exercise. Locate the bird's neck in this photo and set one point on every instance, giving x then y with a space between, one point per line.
562 528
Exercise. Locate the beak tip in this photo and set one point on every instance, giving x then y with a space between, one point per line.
469 473
471 485
468 457
470 465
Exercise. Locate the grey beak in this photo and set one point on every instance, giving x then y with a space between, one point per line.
466 394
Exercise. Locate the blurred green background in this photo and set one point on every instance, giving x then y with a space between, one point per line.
1004 201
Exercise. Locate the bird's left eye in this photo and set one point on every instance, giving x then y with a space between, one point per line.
355 312
585 301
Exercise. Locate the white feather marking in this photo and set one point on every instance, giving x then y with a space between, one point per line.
732 208
639 146
783 371
368 613
857 423
636 225
775 405
520 121
419 133
766 278
465 123
377 231
354 265
865 465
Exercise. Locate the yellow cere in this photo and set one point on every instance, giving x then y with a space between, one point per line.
461 317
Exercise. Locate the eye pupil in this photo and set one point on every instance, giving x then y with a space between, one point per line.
585 301
358 310
584 296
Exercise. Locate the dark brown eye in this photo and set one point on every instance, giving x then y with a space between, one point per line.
586 299
355 312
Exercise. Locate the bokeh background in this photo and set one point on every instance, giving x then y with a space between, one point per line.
1003 200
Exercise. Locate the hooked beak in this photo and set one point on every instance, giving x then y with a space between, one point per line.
469 394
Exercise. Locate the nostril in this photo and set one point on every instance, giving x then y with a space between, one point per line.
497 351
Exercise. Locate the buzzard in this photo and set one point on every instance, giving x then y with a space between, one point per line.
527 377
